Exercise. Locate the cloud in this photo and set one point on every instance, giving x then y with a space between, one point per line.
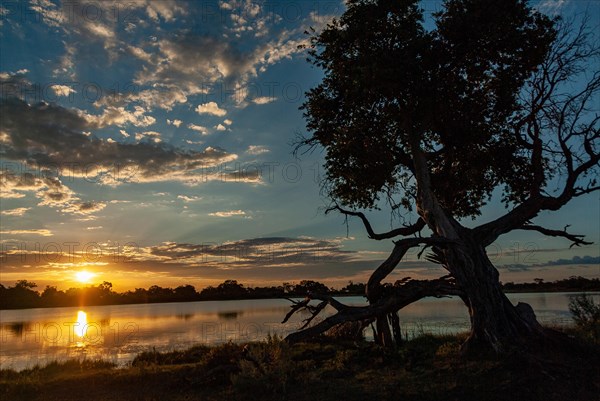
229 213
40 231
85 208
211 108
227 122
165 98
263 100
50 190
165 9
186 198
195 63
575 260
257 150
66 66
119 116
175 122
48 136
152 136
220 127
256 252
20 211
249 18
62 90
551 7
198 128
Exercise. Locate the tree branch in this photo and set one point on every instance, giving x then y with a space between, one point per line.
576 239
400 248
402 294
404 231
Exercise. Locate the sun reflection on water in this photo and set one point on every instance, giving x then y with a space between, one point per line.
81 328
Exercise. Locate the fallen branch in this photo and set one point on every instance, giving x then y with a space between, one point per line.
403 293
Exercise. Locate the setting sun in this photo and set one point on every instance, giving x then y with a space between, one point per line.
84 276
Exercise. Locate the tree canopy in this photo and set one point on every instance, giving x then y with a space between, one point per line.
463 89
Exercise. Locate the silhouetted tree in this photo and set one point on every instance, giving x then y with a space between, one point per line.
310 286
494 96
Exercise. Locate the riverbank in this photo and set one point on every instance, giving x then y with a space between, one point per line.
23 296
425 368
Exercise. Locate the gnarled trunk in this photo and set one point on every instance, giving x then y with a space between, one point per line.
495 321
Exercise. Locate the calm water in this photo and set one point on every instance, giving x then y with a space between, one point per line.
118 333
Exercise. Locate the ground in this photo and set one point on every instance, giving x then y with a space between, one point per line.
425 368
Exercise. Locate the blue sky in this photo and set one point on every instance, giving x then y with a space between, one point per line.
149 142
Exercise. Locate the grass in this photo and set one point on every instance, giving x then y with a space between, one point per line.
425 368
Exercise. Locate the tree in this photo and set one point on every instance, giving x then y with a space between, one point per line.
496 96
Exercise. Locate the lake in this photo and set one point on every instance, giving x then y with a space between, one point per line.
119 332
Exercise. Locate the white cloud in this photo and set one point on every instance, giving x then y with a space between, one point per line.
94 228
227 122
176 123
198 128
186 198
211 108
41 231
263 100
229 213
62 90
151 135
20 211
220 127
257 150
119 116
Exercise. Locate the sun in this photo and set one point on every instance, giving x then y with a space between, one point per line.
84 276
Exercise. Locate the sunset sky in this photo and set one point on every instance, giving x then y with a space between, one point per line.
149 142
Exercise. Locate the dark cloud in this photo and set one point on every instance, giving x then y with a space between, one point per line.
276 251
576 260
50 136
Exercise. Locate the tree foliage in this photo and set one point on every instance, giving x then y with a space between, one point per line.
460 88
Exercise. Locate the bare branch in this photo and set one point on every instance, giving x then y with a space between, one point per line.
576 239
402 294
402 231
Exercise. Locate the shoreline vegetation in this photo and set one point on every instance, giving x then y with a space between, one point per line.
22 295
428 367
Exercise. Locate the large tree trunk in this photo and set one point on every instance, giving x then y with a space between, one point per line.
495 321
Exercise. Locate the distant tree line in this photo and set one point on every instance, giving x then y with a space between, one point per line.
23 294
573 283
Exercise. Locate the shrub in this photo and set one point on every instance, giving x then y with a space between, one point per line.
586 314
352 331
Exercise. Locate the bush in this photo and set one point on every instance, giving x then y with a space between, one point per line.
586 314
351 331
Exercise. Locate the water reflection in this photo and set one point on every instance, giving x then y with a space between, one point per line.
81 324
229 315
17 328
119 332
185 316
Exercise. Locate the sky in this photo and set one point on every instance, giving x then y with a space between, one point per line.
150 142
